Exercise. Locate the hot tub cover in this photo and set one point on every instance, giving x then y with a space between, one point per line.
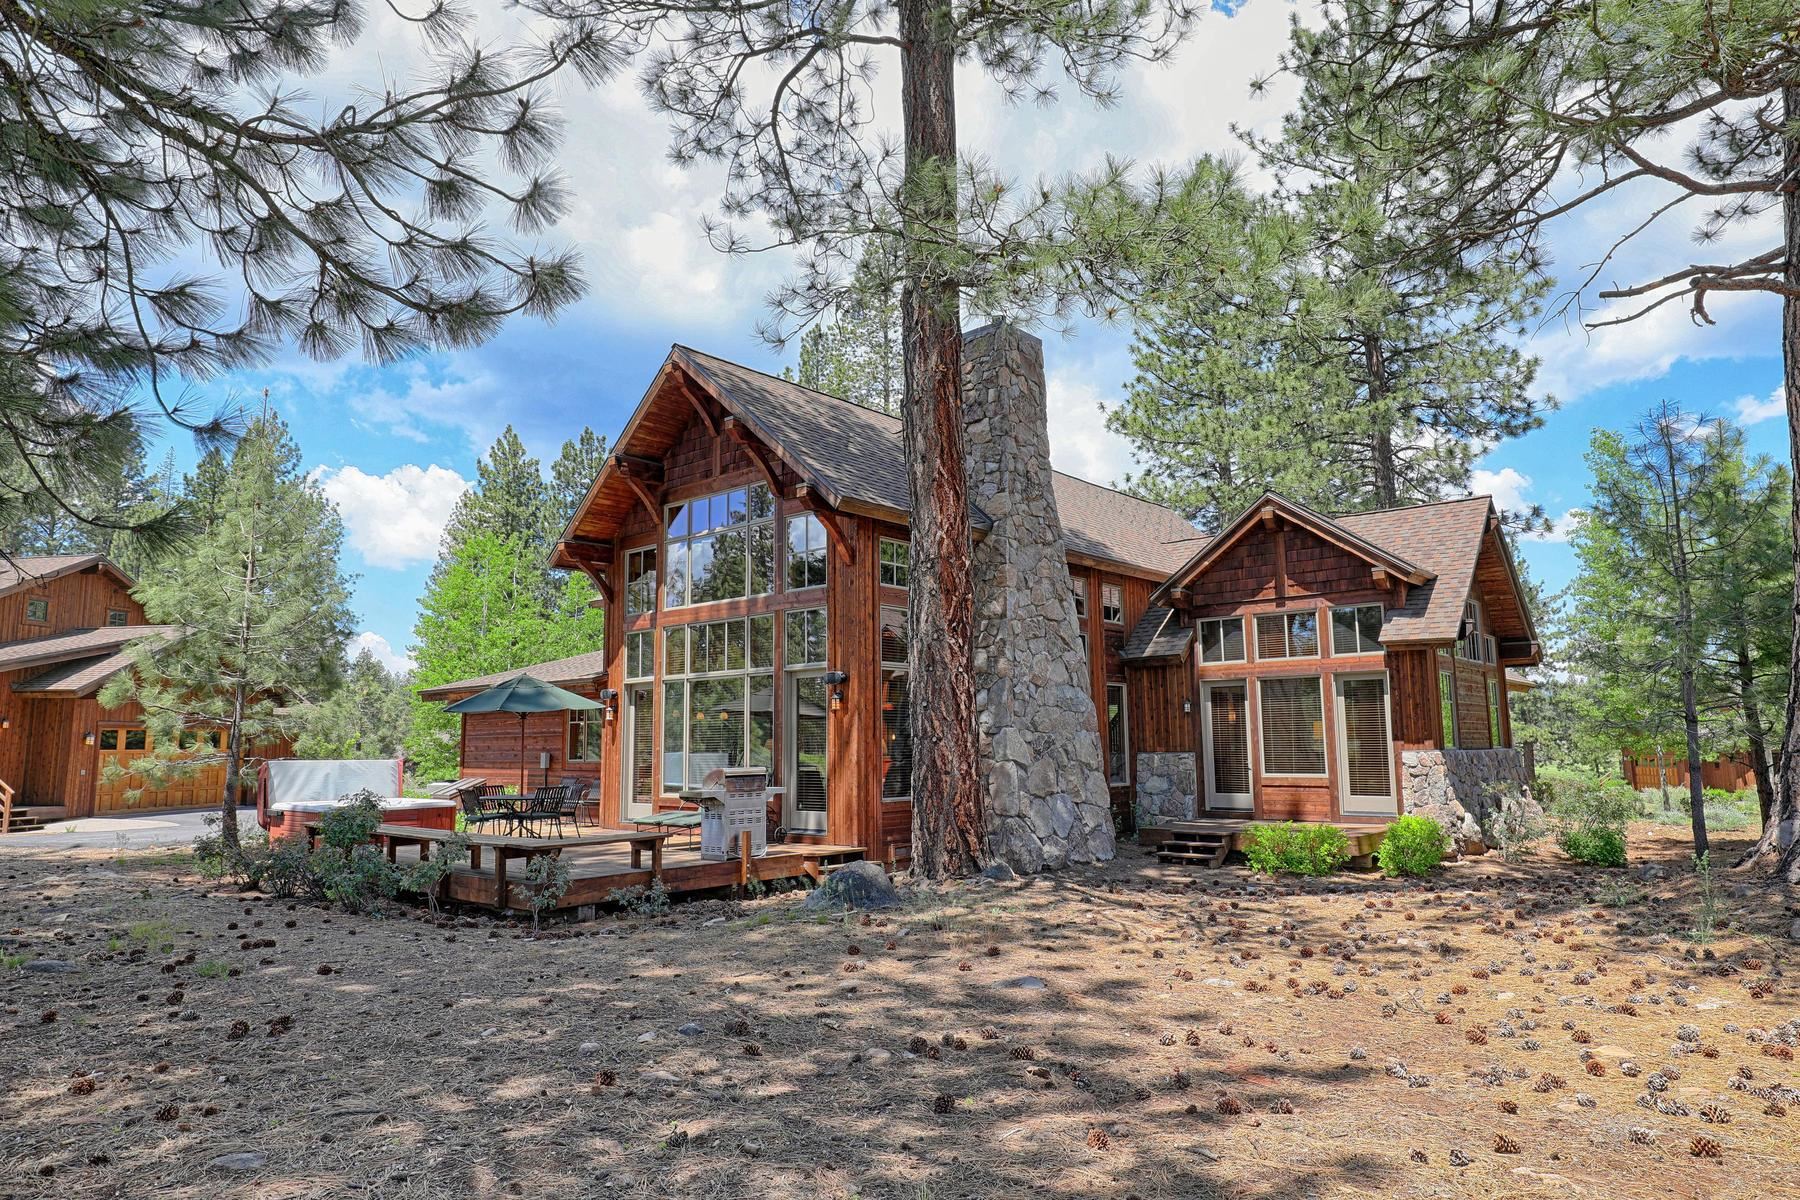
325 779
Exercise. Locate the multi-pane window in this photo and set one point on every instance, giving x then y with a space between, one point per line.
1493 712
1293 725
640 655
718 698
640 581
1447 705
896 562
805 552
1288 635
117 617
1112 604
805 637
1078 590
37 610
1356 630
584 735
896 706
1474 645
1118 747
721 547
1222 641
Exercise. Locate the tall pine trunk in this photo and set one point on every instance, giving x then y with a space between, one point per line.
1753 727
1780 842
1386 469
949 824
1686 647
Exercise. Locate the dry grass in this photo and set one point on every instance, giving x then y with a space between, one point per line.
1199 1034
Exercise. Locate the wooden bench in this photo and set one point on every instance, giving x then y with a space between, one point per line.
505 848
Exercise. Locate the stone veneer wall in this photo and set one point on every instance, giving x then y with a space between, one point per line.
1039 734
1461 789
1167 786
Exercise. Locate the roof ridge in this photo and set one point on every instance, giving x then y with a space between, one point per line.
873 411
1370 512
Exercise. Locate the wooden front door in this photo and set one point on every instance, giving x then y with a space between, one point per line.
1226 726
808 757
639 789
1365 747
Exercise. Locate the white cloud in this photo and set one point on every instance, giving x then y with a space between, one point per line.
384 652
394 520
1561 528
1751 411
1507 486
1080 442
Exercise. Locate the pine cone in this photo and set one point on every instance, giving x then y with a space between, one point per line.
1705 1147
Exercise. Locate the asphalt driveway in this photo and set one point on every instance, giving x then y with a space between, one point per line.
118 832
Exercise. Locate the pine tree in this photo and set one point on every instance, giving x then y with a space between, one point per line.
571 475
856 355
508 499
264 613
367 716
139 141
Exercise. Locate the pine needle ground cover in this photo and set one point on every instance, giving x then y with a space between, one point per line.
1523 1030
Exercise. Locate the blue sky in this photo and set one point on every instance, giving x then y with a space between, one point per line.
394 446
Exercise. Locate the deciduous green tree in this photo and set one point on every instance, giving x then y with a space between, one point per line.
263 609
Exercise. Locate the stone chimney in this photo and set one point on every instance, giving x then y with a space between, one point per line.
1035 717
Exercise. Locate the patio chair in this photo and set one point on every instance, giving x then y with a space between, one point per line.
547 806
577 795
476 815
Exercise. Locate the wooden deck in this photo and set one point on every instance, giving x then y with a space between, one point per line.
600 871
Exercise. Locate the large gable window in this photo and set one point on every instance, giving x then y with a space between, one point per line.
721 547
1356 630
1293 725
640 581
1222 640
1288 635
718 698
805 552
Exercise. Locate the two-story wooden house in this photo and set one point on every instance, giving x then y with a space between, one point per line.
749 540
68 624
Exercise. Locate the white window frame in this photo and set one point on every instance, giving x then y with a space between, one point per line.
897 554
1214 799
1243 640
1078 592
1262 742
1348 804
749 671
805 614
1112 604
1447 701
1358 609
1494 731
1287 616
1470 648
644 659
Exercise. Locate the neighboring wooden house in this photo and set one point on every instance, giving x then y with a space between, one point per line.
1727 772
1315 664
557 745
749 541
69 621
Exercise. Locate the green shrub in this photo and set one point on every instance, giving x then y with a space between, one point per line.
1593 845
546 881
1414 846
427 873
357 881
352 823
1301 849
1515 825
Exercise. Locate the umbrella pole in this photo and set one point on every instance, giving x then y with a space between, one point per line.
521 754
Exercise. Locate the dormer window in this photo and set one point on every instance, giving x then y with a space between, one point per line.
37 610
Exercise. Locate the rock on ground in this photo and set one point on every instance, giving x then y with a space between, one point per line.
856 885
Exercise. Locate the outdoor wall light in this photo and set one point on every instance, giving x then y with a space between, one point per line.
5 722
607 696
836 680
87 739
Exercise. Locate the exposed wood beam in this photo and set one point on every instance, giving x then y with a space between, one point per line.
652 499
686 386
829 518
1179 596
759 454
1382 579
649 470
587 551
1268 518
602 584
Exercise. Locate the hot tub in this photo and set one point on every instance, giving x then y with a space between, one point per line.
288 818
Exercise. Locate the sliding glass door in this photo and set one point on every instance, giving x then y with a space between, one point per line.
1365 746
1226 719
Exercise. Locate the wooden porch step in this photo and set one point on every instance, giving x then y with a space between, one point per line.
1201 849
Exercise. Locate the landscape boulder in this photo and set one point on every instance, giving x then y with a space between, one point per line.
860 885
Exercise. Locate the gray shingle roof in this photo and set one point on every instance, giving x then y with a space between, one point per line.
72 643
1158 635
855 453
1444 539
85 676
563 672
26 569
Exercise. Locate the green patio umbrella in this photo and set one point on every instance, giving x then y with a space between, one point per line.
522 694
